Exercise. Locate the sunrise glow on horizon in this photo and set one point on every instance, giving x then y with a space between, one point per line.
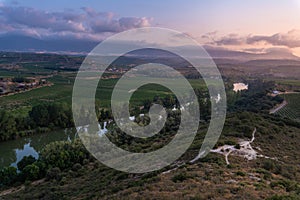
250 26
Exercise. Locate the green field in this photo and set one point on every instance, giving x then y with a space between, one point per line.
292 110
61 91
288 82
63 71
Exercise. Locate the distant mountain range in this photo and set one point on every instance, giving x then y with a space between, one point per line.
30 44
225 54
69 45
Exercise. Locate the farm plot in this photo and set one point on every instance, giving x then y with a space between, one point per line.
292 109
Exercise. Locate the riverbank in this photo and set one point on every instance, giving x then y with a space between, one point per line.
13 151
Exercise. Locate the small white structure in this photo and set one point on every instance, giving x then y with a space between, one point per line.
239 87
132 118
276 92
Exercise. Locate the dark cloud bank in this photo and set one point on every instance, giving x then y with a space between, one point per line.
25 29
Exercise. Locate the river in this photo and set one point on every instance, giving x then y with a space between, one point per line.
13 151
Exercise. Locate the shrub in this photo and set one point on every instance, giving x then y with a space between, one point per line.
8 175
76 167
268 165
240 173
53 173
27 160
64 154
32 172
179 177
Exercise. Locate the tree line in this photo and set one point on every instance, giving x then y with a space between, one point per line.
41 118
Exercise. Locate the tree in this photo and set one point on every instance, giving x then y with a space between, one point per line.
27 160
39 114
32 172
7 126
64 154
8 175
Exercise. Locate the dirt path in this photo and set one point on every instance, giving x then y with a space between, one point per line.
11 190
278 107
17 189
281 93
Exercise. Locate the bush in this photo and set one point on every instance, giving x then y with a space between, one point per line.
32 172
8 175
179 177
53 173
268 165
64 154
76 167
240 173
289 197
27 160
237 146
288 185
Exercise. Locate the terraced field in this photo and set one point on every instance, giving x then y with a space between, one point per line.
292 109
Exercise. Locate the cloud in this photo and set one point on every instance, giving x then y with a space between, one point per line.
227 40
231 39
273 50
290 39
87 23
133 22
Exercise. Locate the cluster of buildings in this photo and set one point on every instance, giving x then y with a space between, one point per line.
12 85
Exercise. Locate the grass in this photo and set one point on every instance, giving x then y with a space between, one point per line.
145 92
288 82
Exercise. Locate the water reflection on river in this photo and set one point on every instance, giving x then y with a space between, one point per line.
11 152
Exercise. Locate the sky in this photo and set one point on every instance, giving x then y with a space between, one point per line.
254 26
